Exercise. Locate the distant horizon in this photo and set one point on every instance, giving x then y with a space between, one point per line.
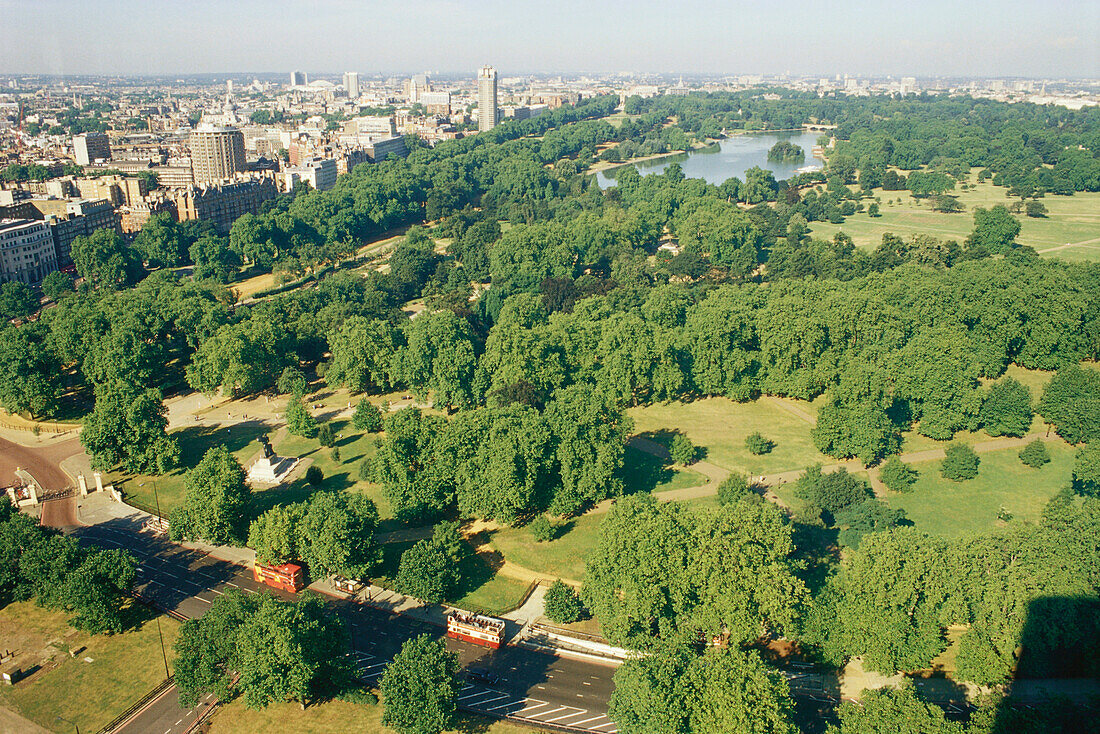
980 39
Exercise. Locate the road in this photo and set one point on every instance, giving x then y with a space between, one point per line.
535 687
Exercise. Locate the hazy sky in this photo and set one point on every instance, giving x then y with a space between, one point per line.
925 37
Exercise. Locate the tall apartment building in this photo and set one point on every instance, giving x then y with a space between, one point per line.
486 99
91 147
351 84
297 78
27 253
216 152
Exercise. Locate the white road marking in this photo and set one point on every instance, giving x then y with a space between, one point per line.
179 722
230 583
531 707
581 712
506 703
587 721
474 695
559 708
201 599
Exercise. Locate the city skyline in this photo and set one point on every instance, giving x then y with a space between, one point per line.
942 39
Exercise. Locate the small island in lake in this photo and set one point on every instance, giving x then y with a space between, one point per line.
786 151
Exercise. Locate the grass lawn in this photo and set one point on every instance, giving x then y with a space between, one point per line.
561 557
721 426
334 717
937 505
1072 219
123 669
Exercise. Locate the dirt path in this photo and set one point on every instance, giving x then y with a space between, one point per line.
1070 244
496 561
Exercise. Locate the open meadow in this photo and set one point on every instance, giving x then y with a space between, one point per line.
107 676
1070 231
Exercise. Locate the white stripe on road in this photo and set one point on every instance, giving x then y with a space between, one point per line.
475 695
580 712
586 721
201 599
506 703
559 708
529 708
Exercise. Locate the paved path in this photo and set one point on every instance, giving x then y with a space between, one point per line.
794 410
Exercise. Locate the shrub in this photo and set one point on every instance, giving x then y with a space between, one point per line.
897 475
758 445
959 463
733 488
367 417
561 604
1035 454
334 454
542 530
682 450
366 470
314 476
326 436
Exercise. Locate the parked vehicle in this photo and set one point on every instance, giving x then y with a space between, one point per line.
475 628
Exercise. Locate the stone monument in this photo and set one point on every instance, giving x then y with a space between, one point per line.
270 468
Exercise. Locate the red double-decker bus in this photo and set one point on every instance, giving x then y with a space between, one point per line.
288 576
475 628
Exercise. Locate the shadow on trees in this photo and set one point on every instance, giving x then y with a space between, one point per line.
1057 685
643 472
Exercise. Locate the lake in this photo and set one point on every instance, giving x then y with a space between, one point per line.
727 158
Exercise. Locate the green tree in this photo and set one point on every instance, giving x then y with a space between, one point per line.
588 438
897 475
298 419
1006 409
1071 402
16 300
57 284
636 579
127 427
102 258
1036 209
1035 454
744 580
721 691
160 242
561 603
279 650
213 259
427 573
893 711
995 230
363 355
439 358
682 450
420 687
959 463
367 416
831 492
215 507
292 381
1086 470
29 370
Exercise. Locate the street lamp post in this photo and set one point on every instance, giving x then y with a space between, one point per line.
62 718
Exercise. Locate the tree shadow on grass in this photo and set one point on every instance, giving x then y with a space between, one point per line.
195 441
643 472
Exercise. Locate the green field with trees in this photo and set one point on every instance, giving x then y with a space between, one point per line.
550 328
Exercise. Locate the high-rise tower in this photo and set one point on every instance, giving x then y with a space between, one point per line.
216 152
486 98
351 84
